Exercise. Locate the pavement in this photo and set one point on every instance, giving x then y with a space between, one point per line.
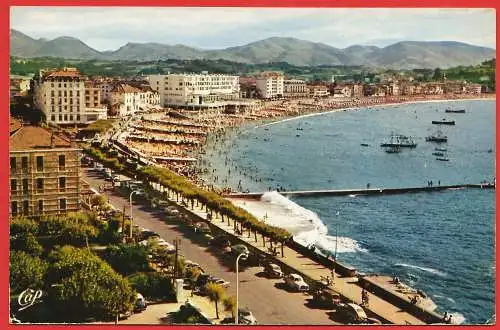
266 298
346 286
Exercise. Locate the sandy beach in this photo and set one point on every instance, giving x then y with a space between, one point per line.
182 134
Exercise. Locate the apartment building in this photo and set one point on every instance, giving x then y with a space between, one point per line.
295 88
61 94
319 91
195 90
270 85
127 99
44 173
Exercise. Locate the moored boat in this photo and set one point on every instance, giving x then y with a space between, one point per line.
398 140
443 159
443 122
455 110
437 137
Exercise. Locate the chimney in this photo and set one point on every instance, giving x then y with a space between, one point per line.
52 140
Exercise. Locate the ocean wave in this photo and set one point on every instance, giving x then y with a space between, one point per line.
425 269
305 226
457 318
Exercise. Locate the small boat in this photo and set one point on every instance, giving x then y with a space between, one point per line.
299 129
399 140
438 153
443 122
443 159
455 110
364 144
437 137
440 149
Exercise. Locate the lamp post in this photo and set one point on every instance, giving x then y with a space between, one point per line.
237 285
131 221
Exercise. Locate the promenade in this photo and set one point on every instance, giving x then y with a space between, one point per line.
346 286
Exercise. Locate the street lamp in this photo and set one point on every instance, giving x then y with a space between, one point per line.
130 198
243 254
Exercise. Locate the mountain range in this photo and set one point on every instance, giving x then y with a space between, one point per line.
404 54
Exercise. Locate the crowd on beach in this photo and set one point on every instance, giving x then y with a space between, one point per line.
183 133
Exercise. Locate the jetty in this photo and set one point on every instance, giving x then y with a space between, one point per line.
363 192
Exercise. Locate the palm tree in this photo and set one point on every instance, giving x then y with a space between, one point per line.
230 304
215 293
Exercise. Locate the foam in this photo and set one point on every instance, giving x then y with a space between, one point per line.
457 318
305 225
425 269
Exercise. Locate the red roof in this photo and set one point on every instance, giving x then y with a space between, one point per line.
34 137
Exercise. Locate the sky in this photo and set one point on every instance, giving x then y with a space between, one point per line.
108 28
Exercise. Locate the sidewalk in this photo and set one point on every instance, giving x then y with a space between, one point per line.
347 287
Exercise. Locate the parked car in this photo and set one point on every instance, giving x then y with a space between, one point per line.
220 281
273 270
352 313
240 249
296 282
140 304
326 298
221 241
146 234
202 228
245 316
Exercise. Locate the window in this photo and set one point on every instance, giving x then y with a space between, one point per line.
53 118
13 185
39 184
25 186
62 204
26 207
62 184
13 164
13 208
39 163
40 206
62 161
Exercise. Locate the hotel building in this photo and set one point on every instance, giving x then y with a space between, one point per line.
44 173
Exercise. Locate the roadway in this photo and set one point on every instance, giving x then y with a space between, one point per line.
265 297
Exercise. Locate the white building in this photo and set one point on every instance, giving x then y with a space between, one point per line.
197 90
128 100
60 95
295 88
270 85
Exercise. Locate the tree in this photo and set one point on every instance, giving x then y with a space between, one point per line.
98 200
26 243
230 305
152 285
215 293
26 271
22 225
81 285
127 259
438 75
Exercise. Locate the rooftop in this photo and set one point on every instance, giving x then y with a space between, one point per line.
34 137
14 125
63 73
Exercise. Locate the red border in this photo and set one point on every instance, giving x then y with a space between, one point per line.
4 99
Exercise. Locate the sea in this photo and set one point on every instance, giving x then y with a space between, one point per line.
440 242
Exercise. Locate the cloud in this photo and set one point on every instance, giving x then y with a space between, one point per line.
106 28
